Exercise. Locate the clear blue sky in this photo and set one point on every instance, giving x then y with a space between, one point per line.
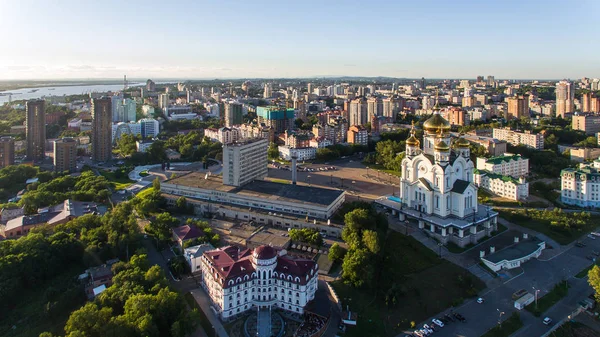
205 39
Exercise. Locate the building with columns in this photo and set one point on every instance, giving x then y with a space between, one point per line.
437 187
239 279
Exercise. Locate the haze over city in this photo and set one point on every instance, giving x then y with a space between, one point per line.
229 39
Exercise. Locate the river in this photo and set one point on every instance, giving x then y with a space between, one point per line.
39 92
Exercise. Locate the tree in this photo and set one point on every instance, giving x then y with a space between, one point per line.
594 280
371 241
89 321
127 145
336 252
273 152
357 269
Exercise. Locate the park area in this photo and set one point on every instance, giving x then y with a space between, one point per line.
415 284
563 227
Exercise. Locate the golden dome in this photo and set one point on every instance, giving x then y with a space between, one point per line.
435 123
461 142
441 146
413 141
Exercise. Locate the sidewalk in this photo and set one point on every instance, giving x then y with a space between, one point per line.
202 299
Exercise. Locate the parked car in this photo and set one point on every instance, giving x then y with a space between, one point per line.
480 300
428 328
449 318
444 320
547 320
595 233
580 244
591 236
437 322
460 317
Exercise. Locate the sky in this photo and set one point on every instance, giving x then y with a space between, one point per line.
67 39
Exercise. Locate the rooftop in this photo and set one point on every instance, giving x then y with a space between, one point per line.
505 158
309 195
515 251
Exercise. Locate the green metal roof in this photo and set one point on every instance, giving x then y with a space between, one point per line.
497 176
500 159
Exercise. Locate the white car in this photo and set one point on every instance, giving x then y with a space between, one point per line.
425 332
437 322
591 237
595 234
426 327
547 320
480 300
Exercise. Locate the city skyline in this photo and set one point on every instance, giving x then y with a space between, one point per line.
513 40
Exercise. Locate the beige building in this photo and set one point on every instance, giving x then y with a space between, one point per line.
589 124
35 121
584 154
565 98
507 164
535 141
357 134
518 106
357 112
101 129
7 151
244 161
65 155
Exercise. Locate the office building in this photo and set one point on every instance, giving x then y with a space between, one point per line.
238 280
518 106
65 155
233 114
245 161
502 185
150 85
534 141
101 129
590 124
286 152
123 110
280 119
35 131
7 151
358 134
163 101
437 189
508 164
565 98
268 91
581 186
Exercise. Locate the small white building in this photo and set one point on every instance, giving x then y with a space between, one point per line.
304 153
193 256
513 256
504 186
238 279
143 145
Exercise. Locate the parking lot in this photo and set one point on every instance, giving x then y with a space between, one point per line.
348 174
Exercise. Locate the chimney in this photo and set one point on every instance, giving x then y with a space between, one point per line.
492 250
294 168
481 253
525 236
516 239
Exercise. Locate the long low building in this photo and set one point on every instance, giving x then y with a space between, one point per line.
502 185
515 255
298 200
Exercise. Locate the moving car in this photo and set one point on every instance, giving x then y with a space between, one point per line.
437 322
547 320
480 300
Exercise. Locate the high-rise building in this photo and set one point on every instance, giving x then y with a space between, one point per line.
35 131
565 97
374 107
163 101
280 119
490 80
233 114
309 87
423 83
7 151
150 85
268 92
101 129
123 110
358 112
586 102
65 155
244 161
518 106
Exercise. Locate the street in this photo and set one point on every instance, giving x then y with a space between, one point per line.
542 275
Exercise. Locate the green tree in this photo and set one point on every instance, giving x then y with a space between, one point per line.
594 280
127 145
89 321
357 268
371 241
273 152
336 252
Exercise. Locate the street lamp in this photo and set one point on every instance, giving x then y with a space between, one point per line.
536 296
500 318
367 171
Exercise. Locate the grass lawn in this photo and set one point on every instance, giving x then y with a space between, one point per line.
382 169
562 235
426 285
584 272
30 316
559 291
454 248
144 173
574 329
144 193
204 322
118 183
281 181
509 326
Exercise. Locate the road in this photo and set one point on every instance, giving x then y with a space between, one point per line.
542 275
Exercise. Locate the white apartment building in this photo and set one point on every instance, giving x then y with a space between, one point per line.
178 112
508 164
143 145
502 185
581 186
238 280
244 161
303 153
146 128
223 135
535 141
